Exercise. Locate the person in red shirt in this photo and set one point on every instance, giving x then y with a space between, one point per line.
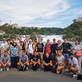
48 47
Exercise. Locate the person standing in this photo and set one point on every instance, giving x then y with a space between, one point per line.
14 55
67 48
48 47
7 47
30 49
77 50
53 49
40 49
34 44
3 45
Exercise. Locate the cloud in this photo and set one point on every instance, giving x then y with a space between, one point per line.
25 11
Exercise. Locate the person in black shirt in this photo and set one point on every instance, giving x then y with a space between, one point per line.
35 61
59 46
53 49
47 62
67 48
40 49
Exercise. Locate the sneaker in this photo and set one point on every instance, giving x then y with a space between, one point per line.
27 68
1 70
7 69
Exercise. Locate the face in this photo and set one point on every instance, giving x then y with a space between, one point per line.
47 55
20 40
22 43
71 56
48 41
39 40
8 42
27 39
35 40
59 42
77 42
54 40
4 41
30 42
65 40
13 40
24 53
35 53
14 44
5 53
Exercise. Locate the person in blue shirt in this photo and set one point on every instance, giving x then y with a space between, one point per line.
35 61
23 62
5 61
14 55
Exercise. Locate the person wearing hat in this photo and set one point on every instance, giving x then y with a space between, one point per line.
73 64
30 49
3 45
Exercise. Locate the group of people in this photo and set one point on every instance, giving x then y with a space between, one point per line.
51 57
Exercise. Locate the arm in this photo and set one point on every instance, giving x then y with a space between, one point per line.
26 62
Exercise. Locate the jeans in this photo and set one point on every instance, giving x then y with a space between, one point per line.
14 61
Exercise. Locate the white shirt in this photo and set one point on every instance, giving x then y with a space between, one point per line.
74 61
60 59
2 46
30 48
77 47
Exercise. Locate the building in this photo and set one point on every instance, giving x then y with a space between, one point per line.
2 32
79 20
14 25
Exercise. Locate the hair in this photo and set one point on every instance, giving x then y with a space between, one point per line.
23 47
78 41
8 40
65 38
5 51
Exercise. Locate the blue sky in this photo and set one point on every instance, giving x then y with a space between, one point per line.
41 13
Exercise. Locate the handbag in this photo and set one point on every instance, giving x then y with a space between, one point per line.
78 53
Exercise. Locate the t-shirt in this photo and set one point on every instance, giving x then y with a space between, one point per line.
30 48
53 48
2 46
66 46
74 61
35 58
60 58
77 47
40 47
59 47
34 44
47 60
5 59
24 59
48 48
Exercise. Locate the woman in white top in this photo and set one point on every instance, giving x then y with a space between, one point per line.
60 61
78 48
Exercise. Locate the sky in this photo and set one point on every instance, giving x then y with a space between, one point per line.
40 13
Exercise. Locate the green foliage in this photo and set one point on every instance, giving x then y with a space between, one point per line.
74 31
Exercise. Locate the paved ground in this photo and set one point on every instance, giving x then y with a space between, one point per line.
38 76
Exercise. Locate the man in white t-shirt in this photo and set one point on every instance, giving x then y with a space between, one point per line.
2 46
30 49
73 64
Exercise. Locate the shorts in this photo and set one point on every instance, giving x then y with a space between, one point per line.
66 56
72 68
